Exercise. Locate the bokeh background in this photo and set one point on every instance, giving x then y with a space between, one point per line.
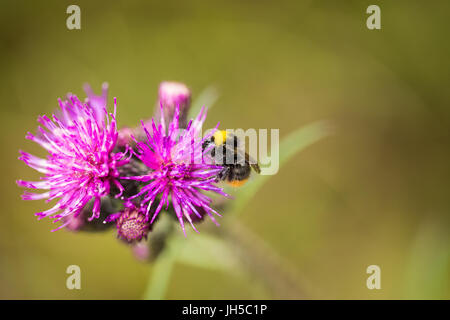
376 192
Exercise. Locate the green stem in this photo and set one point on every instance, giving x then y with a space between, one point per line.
161 272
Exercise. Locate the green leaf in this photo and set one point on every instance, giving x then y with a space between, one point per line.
210 252
207 98
289 146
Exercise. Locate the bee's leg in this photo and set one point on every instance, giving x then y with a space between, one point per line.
223 174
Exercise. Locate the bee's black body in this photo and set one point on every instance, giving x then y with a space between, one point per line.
236 164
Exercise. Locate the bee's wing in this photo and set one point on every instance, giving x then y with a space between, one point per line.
255 167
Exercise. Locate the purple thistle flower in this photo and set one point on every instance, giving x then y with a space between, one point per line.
178 168
81 164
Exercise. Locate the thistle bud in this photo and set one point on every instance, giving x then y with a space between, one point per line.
171 95
97 102
124 137
132 225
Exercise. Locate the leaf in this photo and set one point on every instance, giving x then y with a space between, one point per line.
210 252
289 146
207 98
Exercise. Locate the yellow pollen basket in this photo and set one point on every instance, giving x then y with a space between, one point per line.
220 136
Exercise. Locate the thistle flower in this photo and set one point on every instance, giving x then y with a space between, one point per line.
177 168
81 164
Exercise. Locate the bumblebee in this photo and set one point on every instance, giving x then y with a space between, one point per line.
237 164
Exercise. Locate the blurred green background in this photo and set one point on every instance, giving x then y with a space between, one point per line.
376 192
